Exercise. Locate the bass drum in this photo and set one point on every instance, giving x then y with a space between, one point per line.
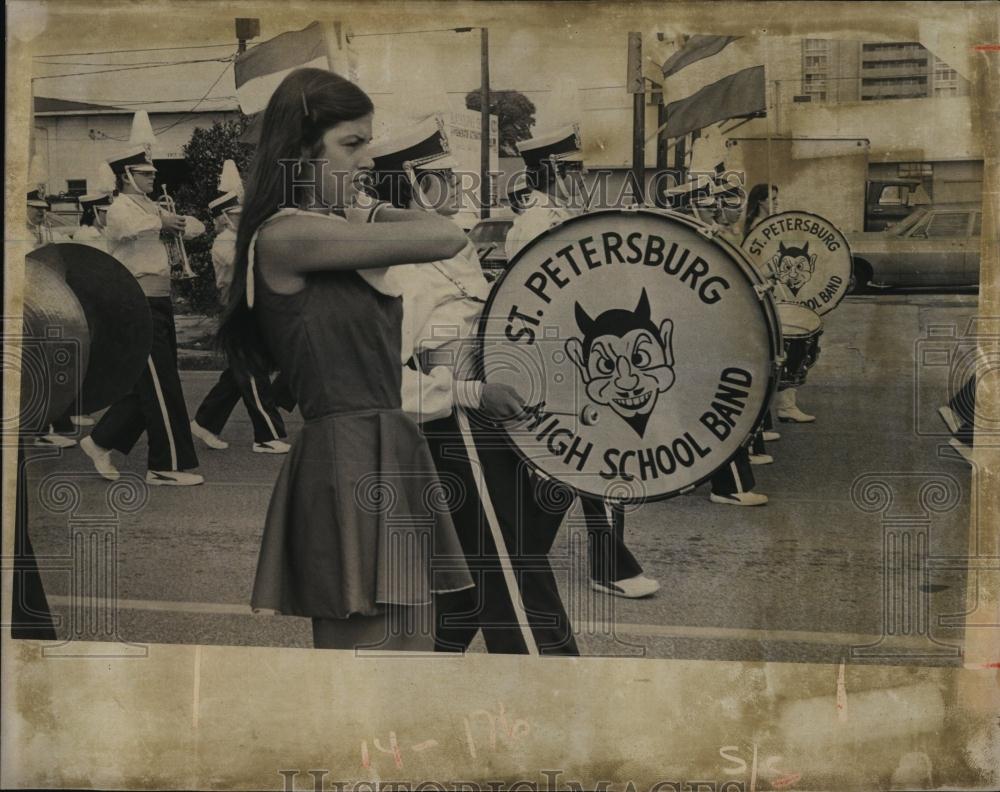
805 256
645 348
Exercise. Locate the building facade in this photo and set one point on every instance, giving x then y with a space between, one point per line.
71 140
848 71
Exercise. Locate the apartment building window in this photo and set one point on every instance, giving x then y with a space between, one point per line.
945 79
891 47
815 68
902 63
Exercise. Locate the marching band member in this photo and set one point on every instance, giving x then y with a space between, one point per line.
538 196
37 226
347 541
40 234
93 220
541 200
758 207
156 404
733 483
254 387
442 304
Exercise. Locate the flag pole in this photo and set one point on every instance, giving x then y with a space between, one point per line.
335 55
485 193
767 126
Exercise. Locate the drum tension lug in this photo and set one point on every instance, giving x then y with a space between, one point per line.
710 231
763 290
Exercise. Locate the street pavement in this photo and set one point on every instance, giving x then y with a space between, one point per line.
801 579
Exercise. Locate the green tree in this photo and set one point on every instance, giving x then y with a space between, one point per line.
204 154
515 114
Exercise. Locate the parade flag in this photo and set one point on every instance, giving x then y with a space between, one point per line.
261 69
714 78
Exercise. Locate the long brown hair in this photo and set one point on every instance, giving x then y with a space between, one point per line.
304 106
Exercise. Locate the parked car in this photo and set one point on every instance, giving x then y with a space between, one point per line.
490 237
887 201
933 246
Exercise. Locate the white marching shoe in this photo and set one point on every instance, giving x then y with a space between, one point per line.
208 438
761 459
272 447
101 458
788 410
739 499
769 436
82 420
632 588
173 478
53 440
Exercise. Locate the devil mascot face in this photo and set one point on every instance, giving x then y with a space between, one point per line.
624 360
795 266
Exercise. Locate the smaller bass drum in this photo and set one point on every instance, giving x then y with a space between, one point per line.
805 256
800 332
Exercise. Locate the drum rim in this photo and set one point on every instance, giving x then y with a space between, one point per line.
843 239
799 307
765 302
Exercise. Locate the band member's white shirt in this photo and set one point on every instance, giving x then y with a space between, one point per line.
90 235
36 235
133 234
538 218
223 255
441 308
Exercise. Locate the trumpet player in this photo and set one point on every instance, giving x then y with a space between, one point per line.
136 227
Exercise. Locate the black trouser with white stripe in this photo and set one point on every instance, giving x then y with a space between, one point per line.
529 512
254 387
735 476
610 559
155 405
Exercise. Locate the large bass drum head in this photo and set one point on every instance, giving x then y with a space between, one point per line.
117 315
643 345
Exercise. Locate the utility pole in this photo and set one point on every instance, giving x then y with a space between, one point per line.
246 29
636 87
485 196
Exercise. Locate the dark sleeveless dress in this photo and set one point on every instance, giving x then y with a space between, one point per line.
357 514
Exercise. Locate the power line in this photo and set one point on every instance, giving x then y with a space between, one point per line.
125 102
413 32
105 63
146 49
203 98
133 68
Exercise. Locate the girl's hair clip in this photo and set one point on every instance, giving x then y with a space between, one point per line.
305 105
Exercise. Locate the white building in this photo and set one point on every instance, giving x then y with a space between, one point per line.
72 139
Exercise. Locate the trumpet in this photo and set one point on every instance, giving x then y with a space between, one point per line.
180 267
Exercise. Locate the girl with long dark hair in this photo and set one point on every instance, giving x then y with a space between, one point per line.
351 526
